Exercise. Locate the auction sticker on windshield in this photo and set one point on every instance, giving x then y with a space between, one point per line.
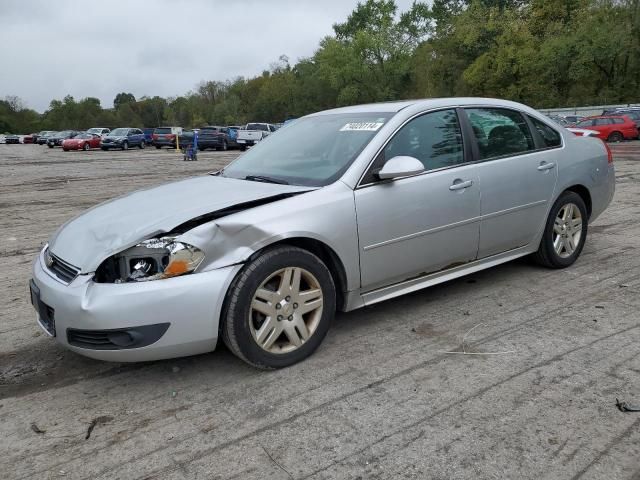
361 127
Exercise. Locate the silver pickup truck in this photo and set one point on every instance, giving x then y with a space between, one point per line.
253 133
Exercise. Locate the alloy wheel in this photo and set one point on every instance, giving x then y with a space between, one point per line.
286 310
567 230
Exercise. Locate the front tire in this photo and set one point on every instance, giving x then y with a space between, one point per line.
279 308
86 147
565 232
125 145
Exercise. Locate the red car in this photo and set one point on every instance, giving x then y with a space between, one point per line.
613 128
83 141
28 138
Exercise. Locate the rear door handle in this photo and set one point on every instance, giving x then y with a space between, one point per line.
460 185
546 166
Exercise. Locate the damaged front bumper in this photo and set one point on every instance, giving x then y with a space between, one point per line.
133 322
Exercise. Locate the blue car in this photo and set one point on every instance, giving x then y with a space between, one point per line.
148 135
123 138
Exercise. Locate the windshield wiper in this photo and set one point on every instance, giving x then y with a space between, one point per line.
262 178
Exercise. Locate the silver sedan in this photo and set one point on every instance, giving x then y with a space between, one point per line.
337 210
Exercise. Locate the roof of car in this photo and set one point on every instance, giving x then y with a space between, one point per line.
394 107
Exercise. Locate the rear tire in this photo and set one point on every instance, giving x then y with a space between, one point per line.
104 149
158 147
142 145
86 147
125 145
615 137
291 330
243 148
564 233
49 145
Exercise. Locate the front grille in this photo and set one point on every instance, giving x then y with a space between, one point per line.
61 269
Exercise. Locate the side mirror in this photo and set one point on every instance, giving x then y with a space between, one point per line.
400 166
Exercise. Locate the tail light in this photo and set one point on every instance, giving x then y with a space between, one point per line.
609 153
154 136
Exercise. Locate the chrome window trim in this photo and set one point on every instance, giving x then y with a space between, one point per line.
524 114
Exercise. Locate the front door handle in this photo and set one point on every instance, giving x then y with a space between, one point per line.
460 185
546 166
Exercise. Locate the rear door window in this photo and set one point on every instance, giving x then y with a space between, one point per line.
500 132
550 136
602 121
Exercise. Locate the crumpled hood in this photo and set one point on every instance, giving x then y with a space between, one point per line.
115 225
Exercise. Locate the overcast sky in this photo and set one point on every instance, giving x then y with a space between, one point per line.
51 48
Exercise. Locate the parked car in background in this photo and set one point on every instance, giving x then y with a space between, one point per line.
43 136
57 139
11 139
101 131
29 138
632 112
340 210
123 138
573 119
611 128
83 141
220 138
560 120
232 132
253 133
148 135
165 136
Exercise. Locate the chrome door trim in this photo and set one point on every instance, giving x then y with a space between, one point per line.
422 233
513 209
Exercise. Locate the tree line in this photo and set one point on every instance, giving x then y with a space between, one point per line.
545 53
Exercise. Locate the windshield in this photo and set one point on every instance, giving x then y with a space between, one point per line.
94 130
312 151
119 132
84 135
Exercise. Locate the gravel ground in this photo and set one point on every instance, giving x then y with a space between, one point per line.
383 397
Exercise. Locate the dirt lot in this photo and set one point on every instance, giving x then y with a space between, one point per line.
381 398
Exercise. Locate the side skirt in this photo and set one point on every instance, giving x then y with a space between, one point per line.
355 300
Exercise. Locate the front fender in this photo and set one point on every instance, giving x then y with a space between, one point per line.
326 215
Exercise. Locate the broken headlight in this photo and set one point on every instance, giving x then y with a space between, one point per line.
153 259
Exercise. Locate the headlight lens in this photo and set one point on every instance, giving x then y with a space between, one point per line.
159 258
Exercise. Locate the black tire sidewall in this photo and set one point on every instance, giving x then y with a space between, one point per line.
615 137
555 259
243 289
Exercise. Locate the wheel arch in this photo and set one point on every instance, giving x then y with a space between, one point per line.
328 256
584 194
614 133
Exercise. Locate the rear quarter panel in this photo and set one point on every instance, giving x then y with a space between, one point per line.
585 163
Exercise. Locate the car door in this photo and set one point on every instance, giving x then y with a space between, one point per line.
423 223
517 173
